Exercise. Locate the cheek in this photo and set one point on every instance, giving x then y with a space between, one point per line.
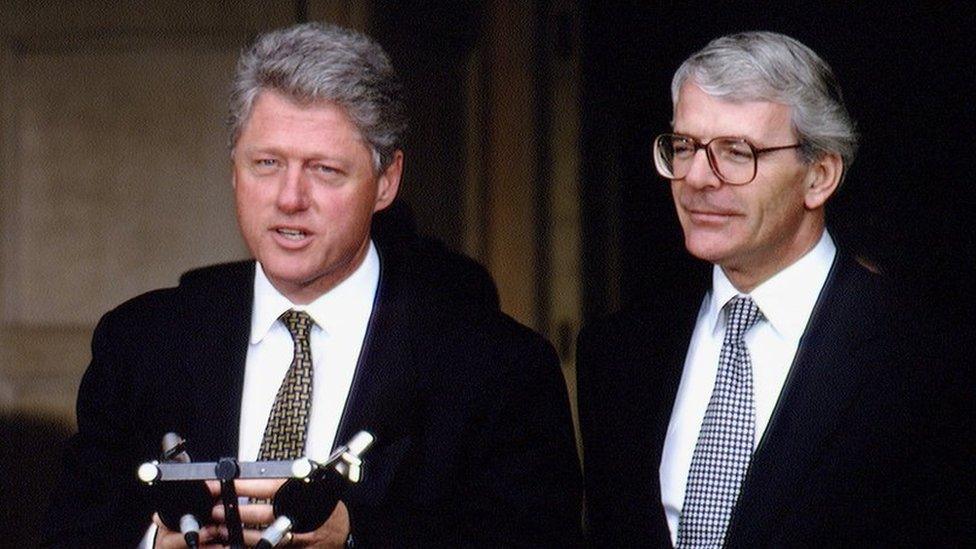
677 190
332 206
255 207
247 200
348 207
782 210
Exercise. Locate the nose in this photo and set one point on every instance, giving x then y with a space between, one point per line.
701 175
293 195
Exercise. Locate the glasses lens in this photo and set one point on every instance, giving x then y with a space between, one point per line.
673 155
734 160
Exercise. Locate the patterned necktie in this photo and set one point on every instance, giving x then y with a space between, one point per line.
724 447
284 436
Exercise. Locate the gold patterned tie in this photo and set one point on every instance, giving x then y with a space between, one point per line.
284 436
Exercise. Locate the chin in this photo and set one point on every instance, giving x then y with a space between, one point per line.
708 249
285 271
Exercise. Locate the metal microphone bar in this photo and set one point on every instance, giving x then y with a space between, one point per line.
154 471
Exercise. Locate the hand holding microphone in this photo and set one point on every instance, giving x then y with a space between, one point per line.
305 502
181 505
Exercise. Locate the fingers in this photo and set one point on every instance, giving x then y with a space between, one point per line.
264 488
340 513
251 536
333 533
258 488
168 539
251 513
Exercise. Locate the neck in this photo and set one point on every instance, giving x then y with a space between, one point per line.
305 292
746 276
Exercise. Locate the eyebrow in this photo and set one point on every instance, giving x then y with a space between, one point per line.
279 151
752 141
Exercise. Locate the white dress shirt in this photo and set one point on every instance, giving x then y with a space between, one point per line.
786 300
336 340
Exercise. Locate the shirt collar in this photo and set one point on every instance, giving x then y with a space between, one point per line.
788 297
351 299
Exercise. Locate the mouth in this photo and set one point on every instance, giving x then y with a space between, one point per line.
710 216
291 234
291 238
712 212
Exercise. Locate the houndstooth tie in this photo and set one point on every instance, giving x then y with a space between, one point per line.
284 436
725 442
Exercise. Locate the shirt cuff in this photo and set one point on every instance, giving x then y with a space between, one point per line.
148 540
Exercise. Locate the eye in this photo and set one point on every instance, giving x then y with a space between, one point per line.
735 151
324 169
265 165
682 147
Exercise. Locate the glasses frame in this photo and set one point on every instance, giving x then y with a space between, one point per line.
712 162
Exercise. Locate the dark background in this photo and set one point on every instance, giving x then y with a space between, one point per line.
907 73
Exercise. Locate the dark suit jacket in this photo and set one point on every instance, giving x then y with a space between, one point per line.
845 458
474 442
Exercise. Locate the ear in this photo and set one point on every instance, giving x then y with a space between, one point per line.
822 180
388 183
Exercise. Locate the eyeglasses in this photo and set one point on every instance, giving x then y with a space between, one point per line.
733 159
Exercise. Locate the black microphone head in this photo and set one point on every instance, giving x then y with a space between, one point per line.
175 498
309 503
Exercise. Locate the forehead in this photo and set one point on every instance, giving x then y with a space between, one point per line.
277 121
279 125
704 116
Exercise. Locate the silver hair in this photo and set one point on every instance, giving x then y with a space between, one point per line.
767 66
315 62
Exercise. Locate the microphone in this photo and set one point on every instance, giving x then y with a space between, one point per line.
305 502
181 505
174 449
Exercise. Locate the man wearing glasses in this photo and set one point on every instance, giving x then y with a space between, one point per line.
775 410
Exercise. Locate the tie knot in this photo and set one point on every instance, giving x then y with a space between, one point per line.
298 323
742 313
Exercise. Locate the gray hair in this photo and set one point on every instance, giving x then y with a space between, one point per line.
767 66
314 62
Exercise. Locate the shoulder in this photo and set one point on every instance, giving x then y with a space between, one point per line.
221 275
618 352
654 317
491 341
429 268
871 300
197 292
653 329
618 328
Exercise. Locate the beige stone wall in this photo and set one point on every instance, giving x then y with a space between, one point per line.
114 172
119 179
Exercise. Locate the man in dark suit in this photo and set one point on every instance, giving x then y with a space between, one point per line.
775 404
324 335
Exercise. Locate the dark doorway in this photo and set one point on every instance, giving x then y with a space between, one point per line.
907 75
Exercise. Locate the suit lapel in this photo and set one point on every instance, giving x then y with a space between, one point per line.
381 387
661 342
823 378
217 361
680 315
683 328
